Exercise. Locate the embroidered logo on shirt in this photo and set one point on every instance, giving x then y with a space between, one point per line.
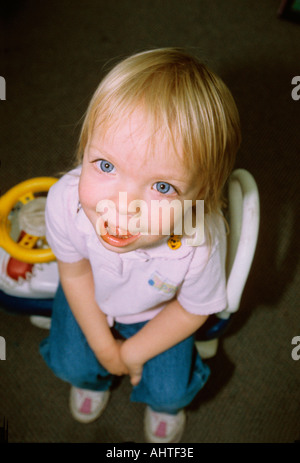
157 282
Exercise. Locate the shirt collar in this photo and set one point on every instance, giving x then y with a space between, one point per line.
160 251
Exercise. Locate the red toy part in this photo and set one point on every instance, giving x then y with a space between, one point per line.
15 268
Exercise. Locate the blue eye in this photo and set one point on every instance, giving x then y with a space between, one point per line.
163 187
106 166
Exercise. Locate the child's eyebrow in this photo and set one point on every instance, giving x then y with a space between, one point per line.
182 179
99 150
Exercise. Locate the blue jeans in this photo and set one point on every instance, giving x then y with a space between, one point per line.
170 381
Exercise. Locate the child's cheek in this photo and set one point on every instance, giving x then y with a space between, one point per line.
89 191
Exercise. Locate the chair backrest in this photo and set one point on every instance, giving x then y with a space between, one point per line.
243 217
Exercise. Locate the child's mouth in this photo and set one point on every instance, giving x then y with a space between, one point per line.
117 237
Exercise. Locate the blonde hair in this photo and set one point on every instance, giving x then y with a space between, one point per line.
182 99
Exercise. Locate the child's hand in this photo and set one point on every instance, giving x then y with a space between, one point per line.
112 361
134 366
135 373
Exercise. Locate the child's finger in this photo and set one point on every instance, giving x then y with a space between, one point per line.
136 376
135 379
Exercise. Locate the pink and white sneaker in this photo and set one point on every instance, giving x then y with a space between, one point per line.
86 406
163 428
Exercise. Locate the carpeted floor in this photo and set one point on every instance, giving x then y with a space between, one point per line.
53 56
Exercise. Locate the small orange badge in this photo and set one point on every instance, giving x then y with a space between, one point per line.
174 242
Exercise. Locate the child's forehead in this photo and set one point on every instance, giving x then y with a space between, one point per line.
137 136
131 126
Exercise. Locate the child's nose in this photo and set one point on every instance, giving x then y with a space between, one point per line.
129 204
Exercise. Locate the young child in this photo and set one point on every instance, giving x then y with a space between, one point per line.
160 126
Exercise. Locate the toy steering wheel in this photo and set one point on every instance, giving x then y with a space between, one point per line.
23 192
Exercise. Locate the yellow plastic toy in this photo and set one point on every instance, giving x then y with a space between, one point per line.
24 249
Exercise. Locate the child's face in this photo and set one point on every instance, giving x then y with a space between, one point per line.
119 169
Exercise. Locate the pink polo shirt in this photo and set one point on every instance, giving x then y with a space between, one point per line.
134 286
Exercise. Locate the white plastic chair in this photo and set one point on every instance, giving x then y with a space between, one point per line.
243 218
